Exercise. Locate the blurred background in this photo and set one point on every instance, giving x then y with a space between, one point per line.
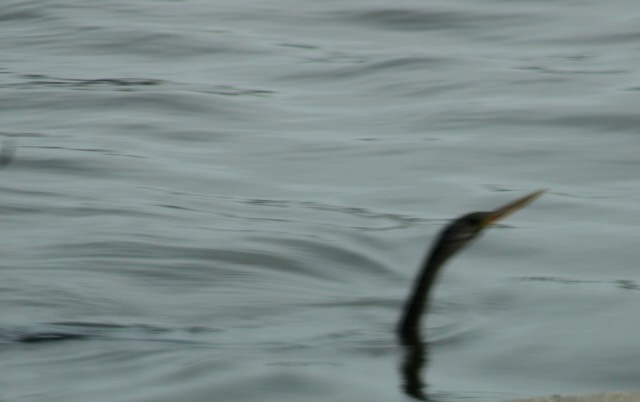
228 200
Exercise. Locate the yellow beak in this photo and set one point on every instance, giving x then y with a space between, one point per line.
511 207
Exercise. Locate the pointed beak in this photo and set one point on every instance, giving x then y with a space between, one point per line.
511 207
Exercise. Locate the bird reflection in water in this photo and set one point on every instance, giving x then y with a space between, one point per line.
451 240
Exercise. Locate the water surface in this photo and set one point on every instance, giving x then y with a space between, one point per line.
228 200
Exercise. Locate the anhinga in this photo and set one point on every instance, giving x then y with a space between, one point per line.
451 240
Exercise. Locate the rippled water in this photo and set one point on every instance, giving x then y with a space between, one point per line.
228 201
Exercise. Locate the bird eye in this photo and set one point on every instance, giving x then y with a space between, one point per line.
474 220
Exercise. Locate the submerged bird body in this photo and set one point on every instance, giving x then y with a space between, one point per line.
451 240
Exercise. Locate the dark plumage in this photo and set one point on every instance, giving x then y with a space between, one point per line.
451 239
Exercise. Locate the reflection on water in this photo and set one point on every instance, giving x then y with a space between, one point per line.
412 369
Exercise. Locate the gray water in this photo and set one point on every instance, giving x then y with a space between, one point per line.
228 200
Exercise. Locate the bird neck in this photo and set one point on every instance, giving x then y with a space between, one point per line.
414 308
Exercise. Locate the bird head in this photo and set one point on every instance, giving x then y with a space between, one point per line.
463 230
